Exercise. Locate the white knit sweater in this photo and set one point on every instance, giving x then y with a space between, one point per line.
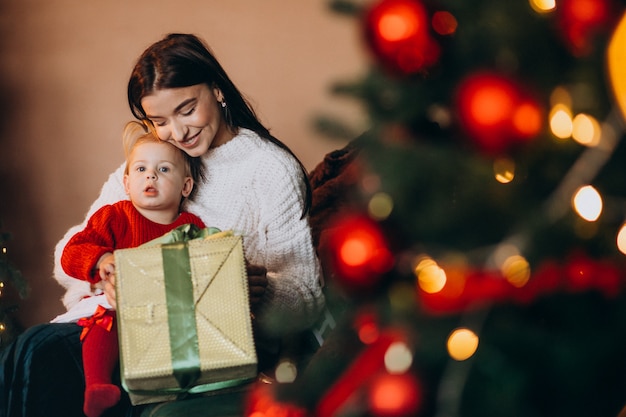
254 188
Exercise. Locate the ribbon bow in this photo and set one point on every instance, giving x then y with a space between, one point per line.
99 318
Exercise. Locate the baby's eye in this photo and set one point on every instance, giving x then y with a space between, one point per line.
164 169
141 169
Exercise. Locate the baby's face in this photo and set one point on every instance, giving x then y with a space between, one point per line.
156 176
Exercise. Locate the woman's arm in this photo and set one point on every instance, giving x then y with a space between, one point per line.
293 298
111 192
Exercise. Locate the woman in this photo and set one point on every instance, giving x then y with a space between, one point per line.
254 185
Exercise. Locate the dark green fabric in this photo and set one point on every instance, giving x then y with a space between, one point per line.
228 404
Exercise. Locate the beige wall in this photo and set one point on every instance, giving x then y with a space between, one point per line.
63 71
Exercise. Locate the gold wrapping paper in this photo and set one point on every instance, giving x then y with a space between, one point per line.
225 345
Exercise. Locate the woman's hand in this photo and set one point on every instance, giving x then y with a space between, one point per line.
257 282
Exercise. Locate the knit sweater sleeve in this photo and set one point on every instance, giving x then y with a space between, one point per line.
111 192
293 298
84 249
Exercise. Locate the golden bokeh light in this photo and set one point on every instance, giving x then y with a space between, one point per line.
431 278
516 270
398 358
587 202
543 6
504 170
380 206
621 239
462 344
586 130
561 123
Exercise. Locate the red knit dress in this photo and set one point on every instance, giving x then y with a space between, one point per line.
116 226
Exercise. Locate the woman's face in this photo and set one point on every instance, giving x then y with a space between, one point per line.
188 117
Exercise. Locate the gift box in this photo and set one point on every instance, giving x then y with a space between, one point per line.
183 315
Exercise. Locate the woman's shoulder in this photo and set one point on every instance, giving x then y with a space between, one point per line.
249 151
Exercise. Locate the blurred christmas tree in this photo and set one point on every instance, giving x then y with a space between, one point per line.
475 254
11 280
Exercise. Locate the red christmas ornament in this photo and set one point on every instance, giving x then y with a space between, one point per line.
398 33
496 113
261 402
358 252
581 20
395 395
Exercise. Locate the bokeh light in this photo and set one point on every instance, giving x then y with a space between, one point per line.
398 23
431 278
504 170
462 344
543 6
366 325
516 270
380 206
444 23
587 202
621 239
526 119
395 396
561 123
398 358
586 130
286 372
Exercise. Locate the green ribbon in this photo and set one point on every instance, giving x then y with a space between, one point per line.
181 313
183 233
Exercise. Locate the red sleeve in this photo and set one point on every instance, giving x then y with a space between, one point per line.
85 248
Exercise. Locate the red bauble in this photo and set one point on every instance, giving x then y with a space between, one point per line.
395 395
261 401
398 33
358 251
581 20
495 112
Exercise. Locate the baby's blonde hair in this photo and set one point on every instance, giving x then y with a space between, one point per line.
136 133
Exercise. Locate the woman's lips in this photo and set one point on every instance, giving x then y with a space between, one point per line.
190 142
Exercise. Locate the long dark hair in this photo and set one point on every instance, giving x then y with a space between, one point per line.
183 60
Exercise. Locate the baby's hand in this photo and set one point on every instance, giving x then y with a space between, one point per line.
106 266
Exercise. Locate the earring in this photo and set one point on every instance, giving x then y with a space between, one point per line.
226 113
